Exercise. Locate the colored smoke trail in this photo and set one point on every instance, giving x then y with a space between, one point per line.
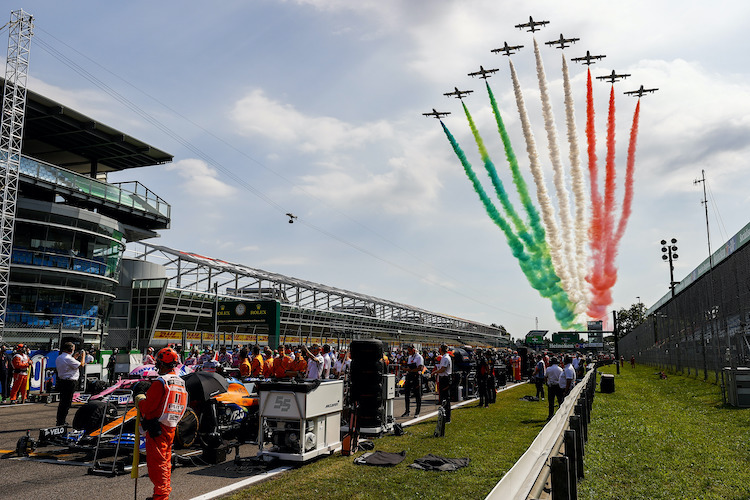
541 250
610 175
560 302
627 202
578 184
520 183
558 177
596 239
497 183
548 210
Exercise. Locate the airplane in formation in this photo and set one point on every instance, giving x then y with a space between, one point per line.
458 94
640 92
507 49
485 73
437 114
588 58
532 25
613 77
562 42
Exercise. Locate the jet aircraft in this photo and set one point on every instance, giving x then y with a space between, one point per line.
562 41
640 92
507 49
613 77
458 94
588 58
437 114
532 25
485 73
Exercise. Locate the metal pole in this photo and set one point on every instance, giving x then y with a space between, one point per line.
616 334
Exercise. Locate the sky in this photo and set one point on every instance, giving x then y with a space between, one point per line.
314 107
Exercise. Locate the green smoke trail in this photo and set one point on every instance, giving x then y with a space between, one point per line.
561 305
502 195
523 192
542 249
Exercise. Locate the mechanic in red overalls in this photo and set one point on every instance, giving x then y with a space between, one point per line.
20 363
161 409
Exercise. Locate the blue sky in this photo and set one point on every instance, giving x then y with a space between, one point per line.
314 107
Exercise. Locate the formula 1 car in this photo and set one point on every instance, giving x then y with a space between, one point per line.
220 411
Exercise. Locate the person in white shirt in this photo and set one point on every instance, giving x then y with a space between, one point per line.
314 361
568 378
443 373
341 366
552 375
414 367
67 376
326 362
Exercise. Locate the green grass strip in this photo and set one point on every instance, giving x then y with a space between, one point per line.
493 438
667 438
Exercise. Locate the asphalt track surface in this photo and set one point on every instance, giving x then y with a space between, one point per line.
56 473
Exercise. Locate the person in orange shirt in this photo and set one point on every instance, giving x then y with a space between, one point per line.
245 367
256 363
268 362
298 367
161 409
20 364
283 363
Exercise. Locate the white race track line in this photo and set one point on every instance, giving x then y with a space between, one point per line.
251 480
242 484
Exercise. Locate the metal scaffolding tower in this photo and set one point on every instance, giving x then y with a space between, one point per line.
20 29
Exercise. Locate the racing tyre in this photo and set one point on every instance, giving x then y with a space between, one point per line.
366 349
95 386
187 430
141 387
89 417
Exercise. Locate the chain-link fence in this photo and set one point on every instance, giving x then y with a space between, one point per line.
704 328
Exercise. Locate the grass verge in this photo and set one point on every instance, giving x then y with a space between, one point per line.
492 438
665 439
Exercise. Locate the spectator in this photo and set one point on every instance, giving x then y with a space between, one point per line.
553 374
315 362
539 373
414 367
568 379
326 362
443 373
67 376
245 368
256 363
148 359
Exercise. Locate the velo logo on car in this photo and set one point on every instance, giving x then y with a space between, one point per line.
283 403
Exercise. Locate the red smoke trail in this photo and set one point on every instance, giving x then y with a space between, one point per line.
627 201
609 183
597 241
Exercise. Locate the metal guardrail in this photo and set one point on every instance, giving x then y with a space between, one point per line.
552 465
138 198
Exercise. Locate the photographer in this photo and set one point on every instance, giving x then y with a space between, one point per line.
315 361
414 367
68 373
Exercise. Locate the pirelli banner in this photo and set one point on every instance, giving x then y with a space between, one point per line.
251 312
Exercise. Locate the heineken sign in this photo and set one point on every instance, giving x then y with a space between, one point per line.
566 338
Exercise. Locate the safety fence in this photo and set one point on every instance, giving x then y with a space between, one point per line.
553 463
704 328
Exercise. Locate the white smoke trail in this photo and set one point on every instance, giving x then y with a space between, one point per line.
578 183
545 204
558 170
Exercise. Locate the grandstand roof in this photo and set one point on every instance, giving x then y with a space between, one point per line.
64 137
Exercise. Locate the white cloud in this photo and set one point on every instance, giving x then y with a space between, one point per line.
201 182
258 115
